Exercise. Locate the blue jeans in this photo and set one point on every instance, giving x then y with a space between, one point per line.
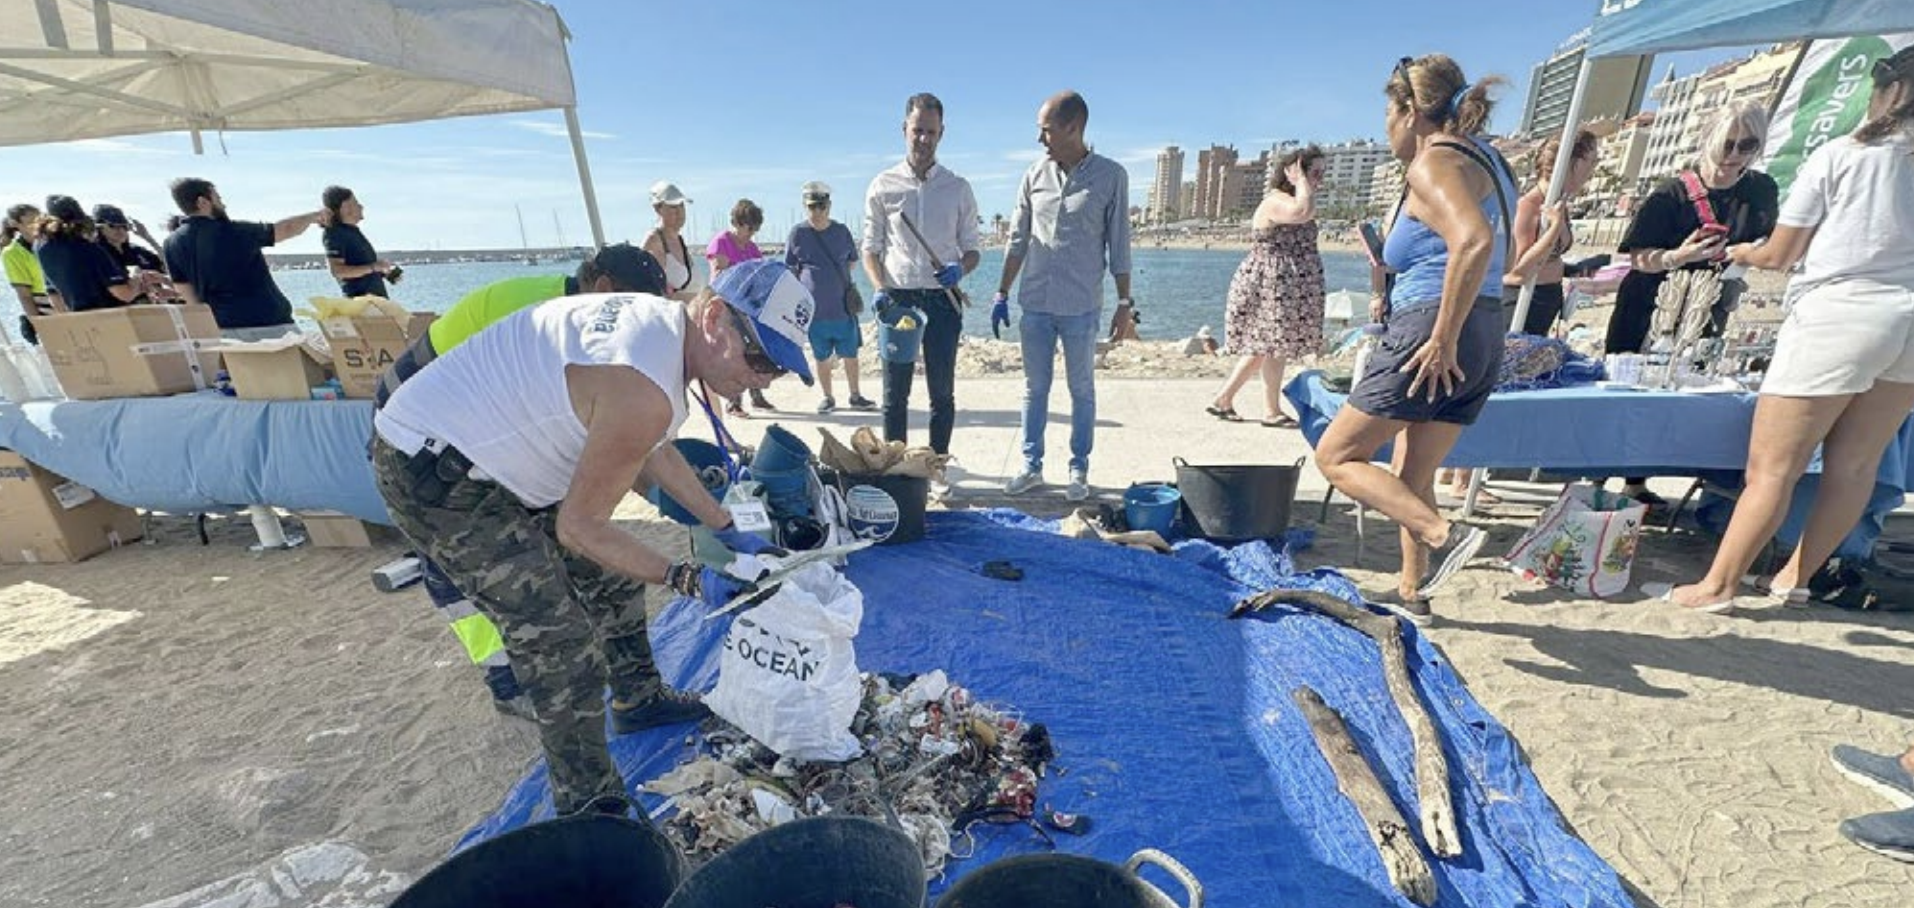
1040 332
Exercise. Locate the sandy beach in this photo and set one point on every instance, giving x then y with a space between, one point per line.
190 722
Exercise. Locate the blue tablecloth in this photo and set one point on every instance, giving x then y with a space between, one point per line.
201 452
1598 432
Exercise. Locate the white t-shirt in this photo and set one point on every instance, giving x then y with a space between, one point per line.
501 397
1861 199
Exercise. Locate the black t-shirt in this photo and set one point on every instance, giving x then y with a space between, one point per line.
347 244
81 271
221 259
1667 217
133 256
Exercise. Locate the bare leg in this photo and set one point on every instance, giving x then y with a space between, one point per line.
1415 556
850 375
1786 430
824 377
1343 457
1238 377
1272 369
1849 460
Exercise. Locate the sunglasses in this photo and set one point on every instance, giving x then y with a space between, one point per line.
1883 73
1402 69
1742 146
754 355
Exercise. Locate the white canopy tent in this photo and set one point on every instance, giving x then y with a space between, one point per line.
81 69
1658 26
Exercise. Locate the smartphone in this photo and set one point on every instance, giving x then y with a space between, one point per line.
1371 241
1714 229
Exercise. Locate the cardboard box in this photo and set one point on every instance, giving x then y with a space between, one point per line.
93 352
364 346
45 518
284 369
333 530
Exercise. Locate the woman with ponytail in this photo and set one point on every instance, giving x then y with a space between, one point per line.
83 274
1437 361
1843 367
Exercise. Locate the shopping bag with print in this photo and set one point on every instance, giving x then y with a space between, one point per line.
1584 542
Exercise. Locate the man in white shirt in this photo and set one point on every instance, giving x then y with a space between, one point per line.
920 239
1072 223
503 459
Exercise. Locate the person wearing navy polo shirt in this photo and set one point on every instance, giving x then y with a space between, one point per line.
217 261
350 256
75 266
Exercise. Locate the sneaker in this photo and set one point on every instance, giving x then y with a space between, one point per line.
954 471
1881 774
1079 487
1449 557
670 708
1024 482
1413 609
860 402
827 406
1886 834
519 707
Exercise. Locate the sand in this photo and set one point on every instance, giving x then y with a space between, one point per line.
187 725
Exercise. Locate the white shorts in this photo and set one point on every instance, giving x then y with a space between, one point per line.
1841 338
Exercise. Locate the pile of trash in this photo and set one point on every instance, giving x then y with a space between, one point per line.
935 761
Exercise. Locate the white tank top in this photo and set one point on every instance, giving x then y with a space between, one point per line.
679 278
501 397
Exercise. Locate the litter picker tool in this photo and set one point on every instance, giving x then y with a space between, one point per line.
955 295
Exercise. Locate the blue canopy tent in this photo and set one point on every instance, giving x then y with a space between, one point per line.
1658 26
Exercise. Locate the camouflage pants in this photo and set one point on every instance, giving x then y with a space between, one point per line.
570 626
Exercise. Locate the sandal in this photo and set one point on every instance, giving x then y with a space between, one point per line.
1226 414
1279 421
736 410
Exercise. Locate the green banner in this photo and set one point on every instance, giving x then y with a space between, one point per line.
1827 97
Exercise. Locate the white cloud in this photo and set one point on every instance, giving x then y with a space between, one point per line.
557 130
116 147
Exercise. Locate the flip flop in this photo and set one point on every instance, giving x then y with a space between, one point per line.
1665 592
1226 414
1280 421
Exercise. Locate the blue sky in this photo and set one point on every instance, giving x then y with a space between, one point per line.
751 99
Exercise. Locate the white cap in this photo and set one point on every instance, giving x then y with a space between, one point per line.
815 188
665 192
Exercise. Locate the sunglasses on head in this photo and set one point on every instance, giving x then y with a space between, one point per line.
1402 69
1741 146
754 355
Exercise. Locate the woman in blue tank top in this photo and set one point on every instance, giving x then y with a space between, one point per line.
1435 365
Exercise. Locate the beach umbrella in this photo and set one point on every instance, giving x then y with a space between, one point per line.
85 69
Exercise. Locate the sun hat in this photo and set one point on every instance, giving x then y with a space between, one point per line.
816 191
776 307
665 192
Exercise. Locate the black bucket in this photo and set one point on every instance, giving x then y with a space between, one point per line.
584 861
1237 502
886 509
819 862
1070 881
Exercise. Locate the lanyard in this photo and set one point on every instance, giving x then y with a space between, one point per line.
726 441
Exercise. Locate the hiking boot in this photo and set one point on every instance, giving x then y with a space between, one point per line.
860 402
519 707
1887 834
1883 775
671 707
827 406
1024 482
1449 557
1079 487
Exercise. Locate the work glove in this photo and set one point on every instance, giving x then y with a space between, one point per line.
716 588
949 275
745 543
881 302
999 315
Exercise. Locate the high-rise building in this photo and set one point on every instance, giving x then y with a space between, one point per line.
1244 187
1622 154
1186 202
1616 87
1348 170
1212 168
1668 149
1385 187
1165 201
1685 104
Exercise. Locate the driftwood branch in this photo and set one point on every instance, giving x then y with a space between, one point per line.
1408 872
1436 809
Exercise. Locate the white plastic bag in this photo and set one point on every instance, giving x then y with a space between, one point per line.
1584 542
788 676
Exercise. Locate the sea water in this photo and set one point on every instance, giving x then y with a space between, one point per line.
1177 290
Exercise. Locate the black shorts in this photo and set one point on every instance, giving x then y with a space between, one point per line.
1383 389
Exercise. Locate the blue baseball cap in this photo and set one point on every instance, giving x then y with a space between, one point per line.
775 305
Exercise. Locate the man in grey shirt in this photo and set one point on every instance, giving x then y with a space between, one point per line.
1072 222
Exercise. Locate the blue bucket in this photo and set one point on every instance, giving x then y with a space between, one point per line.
780 451
1151 506
900 331
707 460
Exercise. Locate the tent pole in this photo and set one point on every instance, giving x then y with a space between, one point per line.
1559 180
584 177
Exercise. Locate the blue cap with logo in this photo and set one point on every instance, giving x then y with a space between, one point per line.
775 305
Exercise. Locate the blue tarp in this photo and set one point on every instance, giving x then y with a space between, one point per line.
1659 26
1174 726
205 452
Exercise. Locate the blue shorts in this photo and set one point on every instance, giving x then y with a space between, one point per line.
834 338
1383 389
